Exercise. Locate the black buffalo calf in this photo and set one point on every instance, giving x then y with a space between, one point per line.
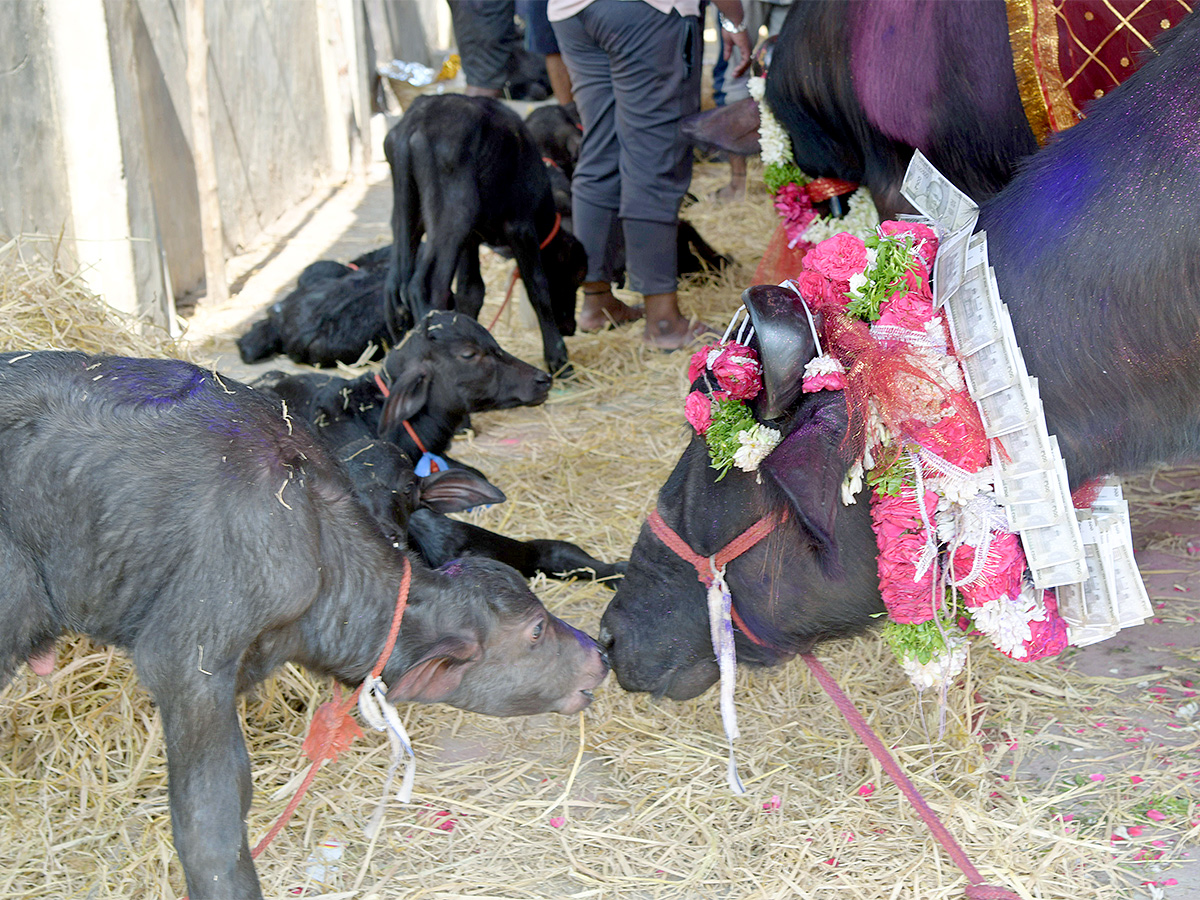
465 172
558 131
190 521
332 316
412 508
446 368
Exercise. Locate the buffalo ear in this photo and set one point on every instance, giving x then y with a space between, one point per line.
454 489
406 395
438 674
785 344
809 468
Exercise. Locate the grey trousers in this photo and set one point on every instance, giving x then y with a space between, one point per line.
635 73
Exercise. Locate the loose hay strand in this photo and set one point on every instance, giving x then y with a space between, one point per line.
83 774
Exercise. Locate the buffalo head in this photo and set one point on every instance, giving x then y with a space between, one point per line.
812 578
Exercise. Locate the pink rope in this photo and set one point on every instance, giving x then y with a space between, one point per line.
976 890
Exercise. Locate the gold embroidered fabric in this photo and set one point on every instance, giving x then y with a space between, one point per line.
1068 52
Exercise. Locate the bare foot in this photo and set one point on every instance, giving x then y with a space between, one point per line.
735 190
674 334
602 310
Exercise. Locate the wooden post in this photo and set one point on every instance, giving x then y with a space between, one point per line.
212 234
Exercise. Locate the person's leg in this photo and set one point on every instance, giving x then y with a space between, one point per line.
656 82
595 187
486 36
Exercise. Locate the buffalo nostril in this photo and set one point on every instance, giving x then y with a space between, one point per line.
605 639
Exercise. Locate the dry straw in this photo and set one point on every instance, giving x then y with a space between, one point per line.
629 800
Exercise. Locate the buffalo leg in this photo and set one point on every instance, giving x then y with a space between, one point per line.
524 243
468 283
209 781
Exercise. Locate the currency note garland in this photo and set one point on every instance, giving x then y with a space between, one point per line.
975 526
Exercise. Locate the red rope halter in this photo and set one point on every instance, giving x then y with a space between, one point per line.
705 568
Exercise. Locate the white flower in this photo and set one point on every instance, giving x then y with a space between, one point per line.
941 668
1006 621
861 221
776 146
872 253
858 281
756 445
852 483
823 365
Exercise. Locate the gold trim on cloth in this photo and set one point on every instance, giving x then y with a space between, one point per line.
1033 35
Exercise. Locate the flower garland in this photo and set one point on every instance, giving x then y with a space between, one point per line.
720 415
786 182
948 561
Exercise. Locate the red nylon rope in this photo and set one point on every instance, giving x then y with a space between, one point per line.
976 890
705 564
516 273
333 728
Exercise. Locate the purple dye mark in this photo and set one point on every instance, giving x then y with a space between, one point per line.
453 568
894 68
585 640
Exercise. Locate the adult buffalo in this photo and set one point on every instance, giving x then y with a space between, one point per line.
859 84
1096 247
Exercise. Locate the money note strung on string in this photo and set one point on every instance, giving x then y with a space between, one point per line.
934 196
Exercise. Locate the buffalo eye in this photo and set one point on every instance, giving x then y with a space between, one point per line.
468 353
538 628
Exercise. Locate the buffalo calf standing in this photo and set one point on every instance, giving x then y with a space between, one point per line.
466 171
188 520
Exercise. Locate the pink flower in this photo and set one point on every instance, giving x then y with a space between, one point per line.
923 237
838 257
698 363
557 821
900 537
698 410
738 372
834 381
866 790
1002 570
1049 637
909 310
795 207
819 291
908 599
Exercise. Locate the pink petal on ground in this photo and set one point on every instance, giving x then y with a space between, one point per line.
1155 815
557 822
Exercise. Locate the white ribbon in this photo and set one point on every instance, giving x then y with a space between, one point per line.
377 712
720 621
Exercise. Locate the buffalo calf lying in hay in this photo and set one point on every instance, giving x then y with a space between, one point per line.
445 369
190 521
413 508
334 314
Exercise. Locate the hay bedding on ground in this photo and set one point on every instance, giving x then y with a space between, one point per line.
628 800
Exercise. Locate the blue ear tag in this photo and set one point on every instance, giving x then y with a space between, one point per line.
429 462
